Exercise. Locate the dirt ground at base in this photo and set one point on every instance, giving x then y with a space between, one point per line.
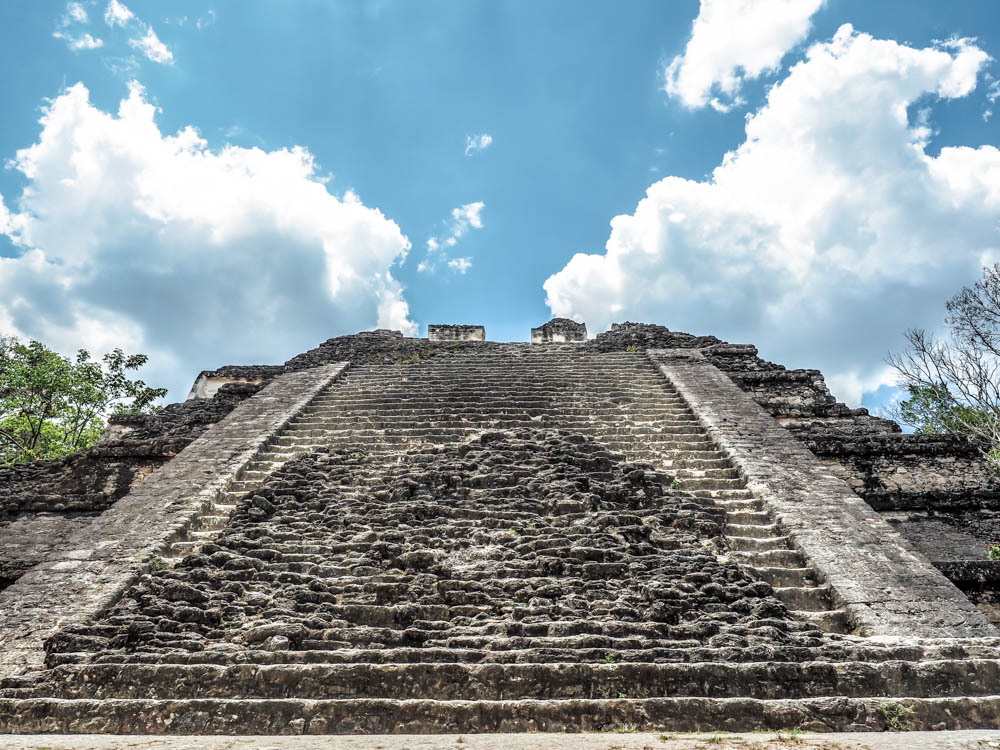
965 740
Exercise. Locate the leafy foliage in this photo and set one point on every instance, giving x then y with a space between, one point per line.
954 384
51 406
934 410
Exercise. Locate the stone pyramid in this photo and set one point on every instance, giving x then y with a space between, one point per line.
385 534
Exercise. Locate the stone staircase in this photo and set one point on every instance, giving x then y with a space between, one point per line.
541 538
616 399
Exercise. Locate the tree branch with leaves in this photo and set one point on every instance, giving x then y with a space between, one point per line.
953 384
51 406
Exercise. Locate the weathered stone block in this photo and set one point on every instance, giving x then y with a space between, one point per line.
558 331
456 333
208 382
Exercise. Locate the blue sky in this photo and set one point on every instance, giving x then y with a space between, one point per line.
202 255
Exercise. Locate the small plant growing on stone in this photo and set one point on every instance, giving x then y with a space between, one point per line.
789 737
625 728
675 484
609 658
895 714
157 563
994 553
630 348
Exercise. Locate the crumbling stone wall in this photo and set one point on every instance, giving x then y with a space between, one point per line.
642 336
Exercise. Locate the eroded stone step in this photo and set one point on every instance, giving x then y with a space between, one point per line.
805 598
829 621
845 649
385 716
748 518
757 544
759 531
770 558
457 681
781 576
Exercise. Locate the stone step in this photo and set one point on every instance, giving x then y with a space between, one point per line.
717 495
524 366
781 576
708 473
805 598
704 460
771 558
759 531
748 505
654 399
572 377
417 395
335 430
844 650
559 681
709 483
829 621
757 544
553 414
385 716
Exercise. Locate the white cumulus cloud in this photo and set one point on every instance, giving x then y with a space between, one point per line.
117 14
143 37
477 143
732 40
77 12
151 46
199 257
461 221
826 234
79 42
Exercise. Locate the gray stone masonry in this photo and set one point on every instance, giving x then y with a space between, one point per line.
85 576
886 587
455 333
620 740
559 331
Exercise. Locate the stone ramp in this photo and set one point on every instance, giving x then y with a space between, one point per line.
883 583
88 572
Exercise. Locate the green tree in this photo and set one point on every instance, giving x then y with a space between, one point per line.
51 406
953 383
